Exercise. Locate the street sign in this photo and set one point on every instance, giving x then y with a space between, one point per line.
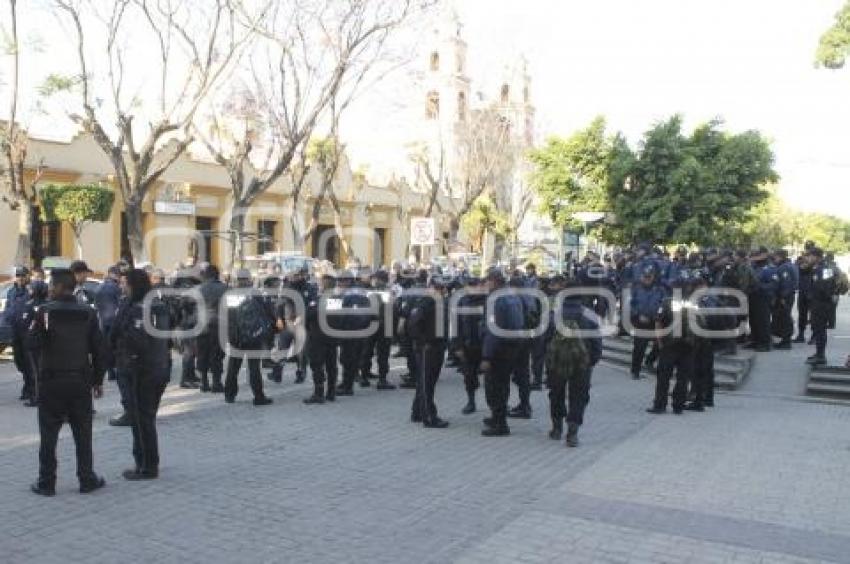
173 208
422 231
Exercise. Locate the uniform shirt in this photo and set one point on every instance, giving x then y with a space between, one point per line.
788 279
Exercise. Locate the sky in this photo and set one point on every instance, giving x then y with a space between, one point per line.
750 62
639 61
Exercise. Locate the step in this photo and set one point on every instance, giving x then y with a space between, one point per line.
742 358
830 380
828 388
724 377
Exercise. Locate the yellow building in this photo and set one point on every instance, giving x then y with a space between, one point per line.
192 203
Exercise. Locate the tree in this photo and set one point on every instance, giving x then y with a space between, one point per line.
18 191
188 46
482 219
310 60
573 174
687 189
834 46
78 204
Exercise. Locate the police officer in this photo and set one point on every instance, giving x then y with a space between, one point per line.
81 272
498 354
804 287
321 347
144 359
787 284
251 325
762 299
185 313
676 349
106 303
521 376
646 299
23 315
468 338
300 283
820 301
571 359
378 345
16 297
351 346
702 381
66 338
210 352
412 285
426 324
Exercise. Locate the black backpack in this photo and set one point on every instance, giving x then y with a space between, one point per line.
254 327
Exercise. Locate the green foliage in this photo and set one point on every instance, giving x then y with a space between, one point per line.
687 189
572 174
485 217
56 83
76 203
834 46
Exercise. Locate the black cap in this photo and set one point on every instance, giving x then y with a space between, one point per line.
21 271
79 266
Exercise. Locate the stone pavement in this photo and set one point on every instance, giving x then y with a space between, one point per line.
760 478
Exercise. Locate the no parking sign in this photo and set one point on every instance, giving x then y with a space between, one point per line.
422 231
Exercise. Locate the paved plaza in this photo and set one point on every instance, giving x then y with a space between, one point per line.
763 477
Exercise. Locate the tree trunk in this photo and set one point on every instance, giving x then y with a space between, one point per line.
237 243
23 255
135 232
484 252
78 241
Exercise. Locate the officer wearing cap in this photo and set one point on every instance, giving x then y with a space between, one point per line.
820 301
16 296
646 300
81 272
762 298
251 325
67 341
378 345
321 347
787 284
210 351
351 346
426 325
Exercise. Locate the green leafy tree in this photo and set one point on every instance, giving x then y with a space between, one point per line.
834 46
687 189
482 219
573 174
78 204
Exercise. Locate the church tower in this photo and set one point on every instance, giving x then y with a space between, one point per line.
446 96
514 102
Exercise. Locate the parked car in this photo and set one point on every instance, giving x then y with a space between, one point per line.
263 265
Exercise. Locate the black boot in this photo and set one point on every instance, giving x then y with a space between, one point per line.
383 384
522 411
217 388
470 405
800 338
572 435
557 428
205 383
318 396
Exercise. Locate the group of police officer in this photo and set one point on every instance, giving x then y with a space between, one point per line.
66 342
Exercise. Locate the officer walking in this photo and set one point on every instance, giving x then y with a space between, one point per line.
67 340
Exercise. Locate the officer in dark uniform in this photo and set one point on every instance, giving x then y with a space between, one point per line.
761 299
426 325
820 302
787 283
184 316
23 316
300 283
468 339
67 341
647 297
804 277
16 296
81 272
145 361
351 346
676 350
378 345
321 348
245 311
702 381
412 284
498 355
210 351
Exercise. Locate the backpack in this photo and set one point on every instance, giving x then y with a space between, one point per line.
253 325
418 322
567 356
842 284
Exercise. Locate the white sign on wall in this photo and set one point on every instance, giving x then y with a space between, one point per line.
422 231
174 208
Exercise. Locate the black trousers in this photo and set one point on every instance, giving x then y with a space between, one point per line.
760 319
675 357
379 346
67 399
802 312
323 366
578 387
24 366
639 345
471 363
429 356
210 354
783 323
538 356
497 385
188 357
702 383
820 322
350 351
145 396
521 375
255 377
